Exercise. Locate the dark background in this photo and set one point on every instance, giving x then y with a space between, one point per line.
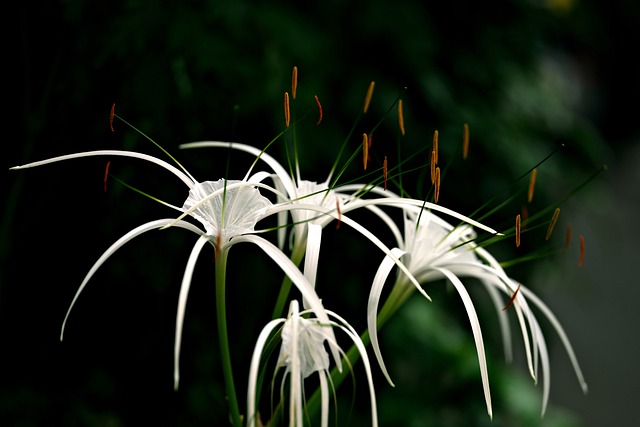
526 75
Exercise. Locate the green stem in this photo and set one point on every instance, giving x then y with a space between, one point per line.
283 295
223 337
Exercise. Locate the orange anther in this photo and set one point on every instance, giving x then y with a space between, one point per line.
106 175
436 191
367 99
532 184
517 230
385 172
512 299
339 213
465 141
524 217
581 260
433 167
319 109
287 112
567 241
400 117
435 146
365 150
294 82
111 115
552 224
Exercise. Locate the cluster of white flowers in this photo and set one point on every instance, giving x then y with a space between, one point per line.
427 248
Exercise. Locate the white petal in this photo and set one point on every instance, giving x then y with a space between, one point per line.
312 255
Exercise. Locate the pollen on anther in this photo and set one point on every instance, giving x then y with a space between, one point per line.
436 191
294 82
567 241
287 112
111 116
365 150
517 230
367 99
512 299
433 167
106 175
581 260
465 142
552 224
319 109
435 146
532 184
400 117
385 172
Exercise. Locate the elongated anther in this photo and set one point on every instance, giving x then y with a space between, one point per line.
552 224
365 150
581 260
518 231
532 184
433 167
106 175
567 241
385 172
111 116
287 111
465 142
512 299
436 191
367 99
339 213
524 217
319 109
435 146
294 82
400 117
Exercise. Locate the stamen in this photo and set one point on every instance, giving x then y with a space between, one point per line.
518 231
319 109
111 115
365 150
106 174
465 142
513 298
385 172
532 184
400 117
567 241
339 213
525 217
436 192
367 99
287 113
435 146
294 82
433 167
581 260
552 224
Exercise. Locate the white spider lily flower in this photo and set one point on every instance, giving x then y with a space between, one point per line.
303 353
433 249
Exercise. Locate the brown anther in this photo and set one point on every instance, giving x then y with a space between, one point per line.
532 184
106 175
435 146
400 117
367 99
287 112
433 167
552 224
111 116
512 299
436 190
339 213
385 172
567 241
518 231
365 150
294 82
319 109
524 216
581 260
465 142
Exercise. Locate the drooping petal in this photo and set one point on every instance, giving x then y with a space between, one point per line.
153 225
312 254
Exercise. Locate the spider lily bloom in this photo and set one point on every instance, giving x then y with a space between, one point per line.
303 353
433 249
228 211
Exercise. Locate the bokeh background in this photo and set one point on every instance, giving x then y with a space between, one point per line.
527 75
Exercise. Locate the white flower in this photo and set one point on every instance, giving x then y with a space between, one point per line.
303 353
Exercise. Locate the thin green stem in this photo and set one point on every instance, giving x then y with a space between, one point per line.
223 337
285 288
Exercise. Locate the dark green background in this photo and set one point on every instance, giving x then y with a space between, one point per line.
526 75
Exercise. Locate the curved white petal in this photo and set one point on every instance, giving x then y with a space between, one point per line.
153 225
312 254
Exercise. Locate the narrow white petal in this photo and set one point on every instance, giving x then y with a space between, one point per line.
182 305
153 225
312 255
324 398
